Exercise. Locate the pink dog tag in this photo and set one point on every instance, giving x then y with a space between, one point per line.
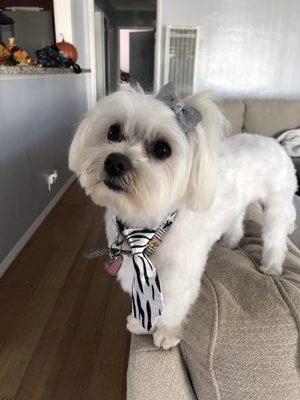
112 267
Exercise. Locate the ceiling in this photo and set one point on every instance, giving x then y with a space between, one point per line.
145 5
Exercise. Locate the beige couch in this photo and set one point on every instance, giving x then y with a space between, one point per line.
242 339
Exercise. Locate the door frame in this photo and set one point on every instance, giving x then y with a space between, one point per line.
107 55
99 19
158 47
93 87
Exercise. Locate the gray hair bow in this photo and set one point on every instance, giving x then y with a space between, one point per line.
187 116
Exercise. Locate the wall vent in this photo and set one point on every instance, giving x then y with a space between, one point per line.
181 54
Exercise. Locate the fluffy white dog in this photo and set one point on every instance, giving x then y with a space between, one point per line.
132 156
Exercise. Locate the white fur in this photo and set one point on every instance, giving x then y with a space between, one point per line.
209 179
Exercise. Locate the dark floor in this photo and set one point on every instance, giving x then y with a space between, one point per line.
62 318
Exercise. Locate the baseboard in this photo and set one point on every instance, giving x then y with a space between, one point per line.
30 231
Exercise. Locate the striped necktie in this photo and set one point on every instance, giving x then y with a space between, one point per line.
147 297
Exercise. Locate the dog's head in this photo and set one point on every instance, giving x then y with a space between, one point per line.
131 154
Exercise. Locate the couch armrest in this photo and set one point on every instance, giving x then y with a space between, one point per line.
156 374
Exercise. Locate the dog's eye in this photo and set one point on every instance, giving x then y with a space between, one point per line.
115 133
161 150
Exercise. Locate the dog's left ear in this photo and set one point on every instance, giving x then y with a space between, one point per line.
204 142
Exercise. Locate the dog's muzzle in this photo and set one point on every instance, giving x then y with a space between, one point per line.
116 166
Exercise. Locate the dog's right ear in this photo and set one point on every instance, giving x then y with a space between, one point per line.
204 143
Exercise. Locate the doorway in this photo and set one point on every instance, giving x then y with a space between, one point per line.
137 56
125 43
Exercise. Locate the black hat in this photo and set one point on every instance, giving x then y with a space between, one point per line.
5 20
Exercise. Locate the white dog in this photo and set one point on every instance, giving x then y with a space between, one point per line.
134 157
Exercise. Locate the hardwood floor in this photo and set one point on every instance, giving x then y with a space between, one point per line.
62 318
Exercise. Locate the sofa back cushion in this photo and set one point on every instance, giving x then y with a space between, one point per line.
234 111
270 117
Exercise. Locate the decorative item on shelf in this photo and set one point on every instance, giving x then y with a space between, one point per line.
67 49
6 28
51 57
12 55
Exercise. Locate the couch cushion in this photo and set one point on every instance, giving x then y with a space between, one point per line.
242 338
270 117
234 112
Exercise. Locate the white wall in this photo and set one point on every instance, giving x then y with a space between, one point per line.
248 48
81 31
73 21
39 115
84 40
63 20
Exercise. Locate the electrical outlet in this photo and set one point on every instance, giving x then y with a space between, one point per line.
52 178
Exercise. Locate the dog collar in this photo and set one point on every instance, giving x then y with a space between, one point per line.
157 238
116 248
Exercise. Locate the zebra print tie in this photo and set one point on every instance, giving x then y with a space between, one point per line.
147 297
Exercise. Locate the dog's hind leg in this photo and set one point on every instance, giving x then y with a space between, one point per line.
279 217
235 232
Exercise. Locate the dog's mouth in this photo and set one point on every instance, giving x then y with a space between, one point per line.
117 187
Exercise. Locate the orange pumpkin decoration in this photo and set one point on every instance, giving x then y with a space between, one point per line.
68 49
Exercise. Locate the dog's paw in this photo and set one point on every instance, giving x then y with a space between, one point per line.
134 326
272 270
165 338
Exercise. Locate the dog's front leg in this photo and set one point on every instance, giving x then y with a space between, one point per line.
180 284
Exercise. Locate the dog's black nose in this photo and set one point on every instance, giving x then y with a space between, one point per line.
117 164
